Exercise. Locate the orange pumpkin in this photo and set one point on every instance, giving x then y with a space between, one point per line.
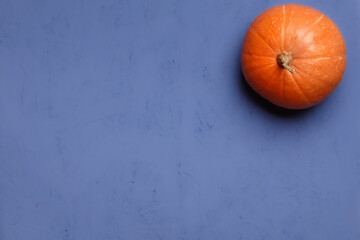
294 56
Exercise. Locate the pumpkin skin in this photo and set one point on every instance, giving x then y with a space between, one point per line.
311 45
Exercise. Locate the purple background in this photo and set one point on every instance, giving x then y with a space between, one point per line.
130 120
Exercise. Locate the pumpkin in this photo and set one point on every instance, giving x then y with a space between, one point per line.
294 56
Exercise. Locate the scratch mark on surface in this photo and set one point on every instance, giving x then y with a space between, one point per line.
188 174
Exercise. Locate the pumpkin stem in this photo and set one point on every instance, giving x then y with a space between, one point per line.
285 60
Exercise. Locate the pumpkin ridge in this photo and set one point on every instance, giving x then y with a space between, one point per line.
301 90
262 38
325 36
318 80
320 58
302 72
273 71
265 66
283 30
254 55
282 84
307 31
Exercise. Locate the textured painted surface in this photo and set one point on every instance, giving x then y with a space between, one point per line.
130 120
